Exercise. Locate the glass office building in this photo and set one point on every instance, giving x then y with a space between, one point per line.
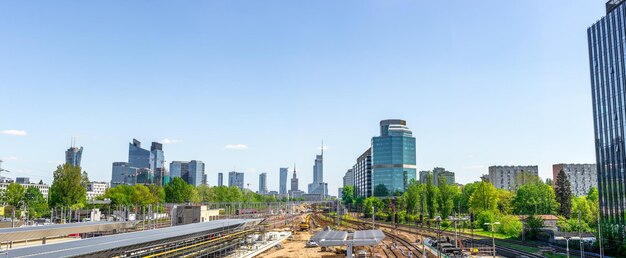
283 181
73 156
608 83
195 174
393 158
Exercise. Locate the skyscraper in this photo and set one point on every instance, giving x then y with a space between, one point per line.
318 186
348 178
393 157
283 181
363 174
73 156
191 172
294 181
235 179
263 183
160 173
606 62
120 174
220 179
142 161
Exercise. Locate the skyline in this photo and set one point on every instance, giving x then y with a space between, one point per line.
266 105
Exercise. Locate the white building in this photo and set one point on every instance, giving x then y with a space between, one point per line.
43 188
581 176
510 177
95 189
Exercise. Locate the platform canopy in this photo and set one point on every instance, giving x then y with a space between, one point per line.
340 238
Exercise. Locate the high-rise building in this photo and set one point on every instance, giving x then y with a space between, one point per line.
142 161
160 173
284 173
294 181
363 175
607 62
580 176
73 156
393 158
340 192
423 177
318 186
121 174
263 183
348 178
220 179
235 179
191 172
442 173
512 177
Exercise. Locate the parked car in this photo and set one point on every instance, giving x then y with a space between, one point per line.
312 243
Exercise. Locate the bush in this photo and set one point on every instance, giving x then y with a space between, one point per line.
412 218
445 223
485 217
510 226
401 217
381 216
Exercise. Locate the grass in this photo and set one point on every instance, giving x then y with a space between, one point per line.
550 255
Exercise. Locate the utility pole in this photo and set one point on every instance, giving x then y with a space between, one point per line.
373 227
580 238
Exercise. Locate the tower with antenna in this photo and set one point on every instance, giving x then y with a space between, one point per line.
73 155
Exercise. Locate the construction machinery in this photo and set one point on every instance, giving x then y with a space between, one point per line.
304 225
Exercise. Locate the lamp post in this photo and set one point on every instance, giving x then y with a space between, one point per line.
567 239
493 239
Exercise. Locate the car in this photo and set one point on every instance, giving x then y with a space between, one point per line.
312 243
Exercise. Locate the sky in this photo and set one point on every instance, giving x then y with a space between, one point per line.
257 85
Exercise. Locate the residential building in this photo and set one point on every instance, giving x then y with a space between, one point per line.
284 173
393 158
424 176
339 192
606 62
235 179
442 173
263 183
95 189
512 177
73 156
363 175
121 174
318 186
348 178
220 179
22 180
580 176
43 188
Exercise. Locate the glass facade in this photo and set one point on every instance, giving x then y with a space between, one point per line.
284 173
73 156
160 173
363 175
220 179
195 173
393 158
607 43
235 179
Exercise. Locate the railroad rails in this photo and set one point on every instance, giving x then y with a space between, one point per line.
394 250
502 250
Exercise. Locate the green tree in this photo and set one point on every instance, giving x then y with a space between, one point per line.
178 191
68 187
119 195
446 196
466 193
347 195
207 193
534 198
141 196
563 194
413 197
370 202
37 204
526 177
484 198
505 198
431 194
15 195
158 193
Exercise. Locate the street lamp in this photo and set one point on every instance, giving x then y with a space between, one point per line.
493 239
567 239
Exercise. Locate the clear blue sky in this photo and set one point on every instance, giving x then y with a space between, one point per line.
479 82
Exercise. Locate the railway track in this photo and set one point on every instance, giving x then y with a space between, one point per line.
408 246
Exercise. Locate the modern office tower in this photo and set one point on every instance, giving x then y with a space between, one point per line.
235 179
121 174
580 176
511 177
444 174
95 189
191 172
606 61
22 180
348 178
204 180
363 174
318 186
393 158
73 156
294 181
142 161
195 173
160 173
220 179
263 183
283 181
